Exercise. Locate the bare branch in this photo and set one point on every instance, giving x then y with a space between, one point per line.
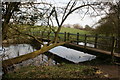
27 35
66 9
56 17
86 13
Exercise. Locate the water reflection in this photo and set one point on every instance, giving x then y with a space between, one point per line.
12 51
90 45
17 50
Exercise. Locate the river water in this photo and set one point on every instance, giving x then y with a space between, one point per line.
11 51
15 50
75 56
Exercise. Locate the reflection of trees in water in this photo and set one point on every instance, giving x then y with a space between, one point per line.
42 59
36 45
45 58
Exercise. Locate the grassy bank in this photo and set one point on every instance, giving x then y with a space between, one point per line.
58 71
73 30
45 28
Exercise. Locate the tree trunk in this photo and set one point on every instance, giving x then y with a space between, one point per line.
4 30
118 42
21 58
12 6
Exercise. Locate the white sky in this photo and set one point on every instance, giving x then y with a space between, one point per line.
75 18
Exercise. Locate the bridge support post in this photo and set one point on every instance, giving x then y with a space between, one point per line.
77 38
48 35
113 48
42 34
85 41
96 39
68 36
65 36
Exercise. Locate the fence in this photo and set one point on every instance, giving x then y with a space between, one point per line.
95 41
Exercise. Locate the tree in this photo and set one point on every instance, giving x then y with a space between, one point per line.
87 27
110 24
77 26
7 11
67 25
50 13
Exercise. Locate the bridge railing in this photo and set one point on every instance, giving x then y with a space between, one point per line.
95 41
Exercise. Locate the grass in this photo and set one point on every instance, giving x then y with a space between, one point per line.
73 30
45 28
58 71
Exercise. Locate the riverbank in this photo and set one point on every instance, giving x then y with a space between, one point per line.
61 71
100 68
67 71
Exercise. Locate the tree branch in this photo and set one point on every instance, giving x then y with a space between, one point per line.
21 58
27 35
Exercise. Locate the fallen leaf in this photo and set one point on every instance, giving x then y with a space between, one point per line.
98 72
106 75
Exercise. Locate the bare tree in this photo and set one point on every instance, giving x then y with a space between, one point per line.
77 26
67 25
52 12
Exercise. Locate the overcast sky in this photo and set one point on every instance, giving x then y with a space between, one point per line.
75 18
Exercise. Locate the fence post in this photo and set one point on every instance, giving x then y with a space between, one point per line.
85 41
77 38
39 33
96 39
33 33
65 36
113 46
48 35
42 34
68 36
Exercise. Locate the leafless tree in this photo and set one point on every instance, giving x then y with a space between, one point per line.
49 14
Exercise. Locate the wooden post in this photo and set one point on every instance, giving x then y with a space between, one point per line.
65 36
42 34
68 36
33 34
96 39
48 35
77 38
85 42
39 33
113 46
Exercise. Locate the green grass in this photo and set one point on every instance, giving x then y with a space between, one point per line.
58 71
45 28
74 31
38 31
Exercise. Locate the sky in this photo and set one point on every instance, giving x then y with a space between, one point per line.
75 18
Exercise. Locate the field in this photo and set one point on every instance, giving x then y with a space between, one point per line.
37 31
45 28
73 30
